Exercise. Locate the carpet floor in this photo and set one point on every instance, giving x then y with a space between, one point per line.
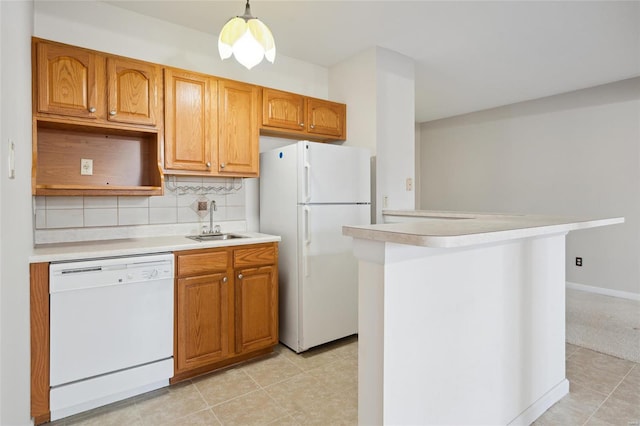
604 324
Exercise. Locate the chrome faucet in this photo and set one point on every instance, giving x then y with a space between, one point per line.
212 209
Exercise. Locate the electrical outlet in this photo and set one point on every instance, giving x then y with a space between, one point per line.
578 261
202 206
385 202
409 184
86 167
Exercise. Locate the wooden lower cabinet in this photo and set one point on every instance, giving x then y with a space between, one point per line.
202 308
256 308
226 307
39 316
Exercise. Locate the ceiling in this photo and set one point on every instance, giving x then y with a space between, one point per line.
468 56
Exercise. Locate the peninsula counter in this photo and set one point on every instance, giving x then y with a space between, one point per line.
462 317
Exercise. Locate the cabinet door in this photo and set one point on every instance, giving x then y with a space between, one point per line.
282 109
326 118
190 121
256 308
202 322
67 81
133 91
238 151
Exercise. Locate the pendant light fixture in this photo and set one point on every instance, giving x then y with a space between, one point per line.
248 39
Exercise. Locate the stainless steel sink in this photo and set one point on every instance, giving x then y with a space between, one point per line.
214 237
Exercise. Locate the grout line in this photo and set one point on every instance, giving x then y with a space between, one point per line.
610 394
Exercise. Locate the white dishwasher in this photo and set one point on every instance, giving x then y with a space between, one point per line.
111 326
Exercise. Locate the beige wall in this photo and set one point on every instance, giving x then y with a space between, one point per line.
571 154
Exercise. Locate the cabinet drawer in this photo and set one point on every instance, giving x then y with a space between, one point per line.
202 263
264 255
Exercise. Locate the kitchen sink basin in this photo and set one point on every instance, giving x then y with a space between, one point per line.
214 237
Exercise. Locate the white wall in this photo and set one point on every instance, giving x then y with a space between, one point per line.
378 87
353 82
571 154
110 29
15 203
395 130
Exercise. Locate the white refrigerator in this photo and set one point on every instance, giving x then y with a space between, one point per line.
308 191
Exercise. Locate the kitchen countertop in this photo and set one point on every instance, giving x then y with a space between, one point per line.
135 246
441 229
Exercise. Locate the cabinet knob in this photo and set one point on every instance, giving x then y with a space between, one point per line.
208 164
240 276
112 112
301 124
92 109
222 165
225 279
312 126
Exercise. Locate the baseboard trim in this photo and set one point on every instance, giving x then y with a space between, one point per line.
604 291
547 400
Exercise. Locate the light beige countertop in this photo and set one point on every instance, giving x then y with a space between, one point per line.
459 229
135 246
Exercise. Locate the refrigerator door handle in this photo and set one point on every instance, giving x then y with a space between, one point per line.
307 240
307 177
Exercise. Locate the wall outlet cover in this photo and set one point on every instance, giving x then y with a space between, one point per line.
86 167
201 206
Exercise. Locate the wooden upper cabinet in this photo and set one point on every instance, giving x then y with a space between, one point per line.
132 91
190 121
326 118
282 109
67 80
299 117
78 83
238 135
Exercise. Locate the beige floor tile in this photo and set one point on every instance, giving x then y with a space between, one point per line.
340 376
269 370
117 414
323 396
347 347
284 421
200 418
574 409
335 409
298 393
616 411
629 389
255 408
570 349
225 385
597 371
167 404
312 358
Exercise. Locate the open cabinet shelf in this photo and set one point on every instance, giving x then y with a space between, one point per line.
124 162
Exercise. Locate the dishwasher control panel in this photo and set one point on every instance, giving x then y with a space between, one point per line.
85 274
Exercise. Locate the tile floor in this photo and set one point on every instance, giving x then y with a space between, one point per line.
319 387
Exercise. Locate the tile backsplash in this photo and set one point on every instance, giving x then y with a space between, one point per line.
178 206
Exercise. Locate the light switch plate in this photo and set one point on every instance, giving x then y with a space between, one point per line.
12 160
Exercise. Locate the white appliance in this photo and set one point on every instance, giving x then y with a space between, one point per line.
111 325
308 191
